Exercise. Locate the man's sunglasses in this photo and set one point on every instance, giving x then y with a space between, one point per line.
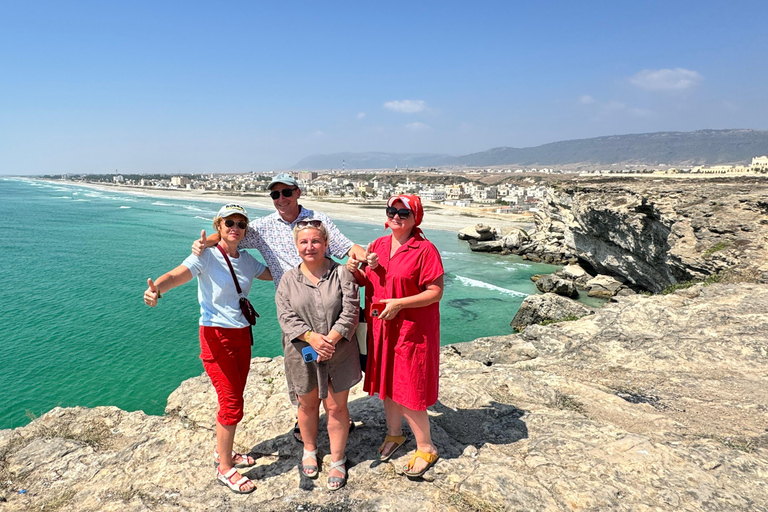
403 213
287 192
241 223
309 223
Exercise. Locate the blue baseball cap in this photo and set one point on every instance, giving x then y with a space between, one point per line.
283 178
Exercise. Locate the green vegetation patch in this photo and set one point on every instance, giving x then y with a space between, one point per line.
719 246
569 318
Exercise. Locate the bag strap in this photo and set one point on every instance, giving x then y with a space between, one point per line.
226 258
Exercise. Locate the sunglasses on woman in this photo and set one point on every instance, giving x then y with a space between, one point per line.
309 223
287 192
403 213
240 223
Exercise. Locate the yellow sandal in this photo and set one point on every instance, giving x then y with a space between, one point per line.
431 458
397 440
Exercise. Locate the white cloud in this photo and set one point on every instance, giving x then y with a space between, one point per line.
617 106
406 106
586 99
676 79
418 127
361 115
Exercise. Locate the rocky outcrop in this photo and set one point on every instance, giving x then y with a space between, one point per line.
551 283
654 233
603 287
548 307
651 403
478 233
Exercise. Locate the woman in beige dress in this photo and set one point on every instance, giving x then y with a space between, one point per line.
318 306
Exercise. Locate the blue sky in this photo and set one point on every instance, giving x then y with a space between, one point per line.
224 86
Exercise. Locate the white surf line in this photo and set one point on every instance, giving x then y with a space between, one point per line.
481 284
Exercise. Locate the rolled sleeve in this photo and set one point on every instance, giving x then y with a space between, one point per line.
350 307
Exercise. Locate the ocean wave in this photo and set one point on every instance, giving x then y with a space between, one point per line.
193 208
82 201
466 281
158 203
124 207
61 197
203 218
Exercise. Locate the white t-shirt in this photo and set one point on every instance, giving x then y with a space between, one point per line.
216 291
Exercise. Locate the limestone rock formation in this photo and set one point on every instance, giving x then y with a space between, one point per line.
548 307
652 403
603 287
551 283
655 232
478 232
489 246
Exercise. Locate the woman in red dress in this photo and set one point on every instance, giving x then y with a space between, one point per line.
404 285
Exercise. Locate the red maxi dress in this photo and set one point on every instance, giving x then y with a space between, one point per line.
404 353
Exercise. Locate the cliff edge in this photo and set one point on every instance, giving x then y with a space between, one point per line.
652 403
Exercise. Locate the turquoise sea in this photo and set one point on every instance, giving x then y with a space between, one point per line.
74 329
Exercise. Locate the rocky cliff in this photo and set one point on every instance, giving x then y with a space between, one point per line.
652 403
654 233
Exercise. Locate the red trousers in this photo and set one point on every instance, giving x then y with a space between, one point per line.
226 355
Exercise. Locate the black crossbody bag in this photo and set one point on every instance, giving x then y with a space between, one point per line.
246 307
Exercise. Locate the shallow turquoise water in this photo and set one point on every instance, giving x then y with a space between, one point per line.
75 331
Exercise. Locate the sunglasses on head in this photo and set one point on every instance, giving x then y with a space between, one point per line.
240 223
287 192
403 213
307 223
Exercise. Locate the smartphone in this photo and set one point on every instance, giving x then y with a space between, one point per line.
309 354
377 308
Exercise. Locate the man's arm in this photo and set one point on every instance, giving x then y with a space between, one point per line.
357 252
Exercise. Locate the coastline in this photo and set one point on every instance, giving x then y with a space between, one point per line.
437 216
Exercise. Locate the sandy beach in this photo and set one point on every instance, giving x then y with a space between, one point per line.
436 216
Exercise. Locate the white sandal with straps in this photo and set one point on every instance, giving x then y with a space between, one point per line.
309 471
245 459
236 487
340 466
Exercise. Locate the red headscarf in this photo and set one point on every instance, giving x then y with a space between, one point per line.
413 203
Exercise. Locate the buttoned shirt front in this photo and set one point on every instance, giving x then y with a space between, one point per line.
273 238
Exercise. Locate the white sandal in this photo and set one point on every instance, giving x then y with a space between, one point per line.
236 487
244 459
309 471
340 466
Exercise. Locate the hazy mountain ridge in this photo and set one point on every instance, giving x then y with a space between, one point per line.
702 147
373 160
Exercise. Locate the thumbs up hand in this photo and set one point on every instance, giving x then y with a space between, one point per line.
151 294
199 245
371 258
353 264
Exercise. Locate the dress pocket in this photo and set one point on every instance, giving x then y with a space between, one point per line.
409 339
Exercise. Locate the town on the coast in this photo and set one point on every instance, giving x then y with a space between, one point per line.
500 189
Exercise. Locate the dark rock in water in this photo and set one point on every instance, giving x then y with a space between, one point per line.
551 283
604 287
492 246
478 232
547 307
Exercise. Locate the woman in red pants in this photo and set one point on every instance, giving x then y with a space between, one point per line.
225 335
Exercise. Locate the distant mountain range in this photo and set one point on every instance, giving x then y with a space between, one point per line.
702 147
